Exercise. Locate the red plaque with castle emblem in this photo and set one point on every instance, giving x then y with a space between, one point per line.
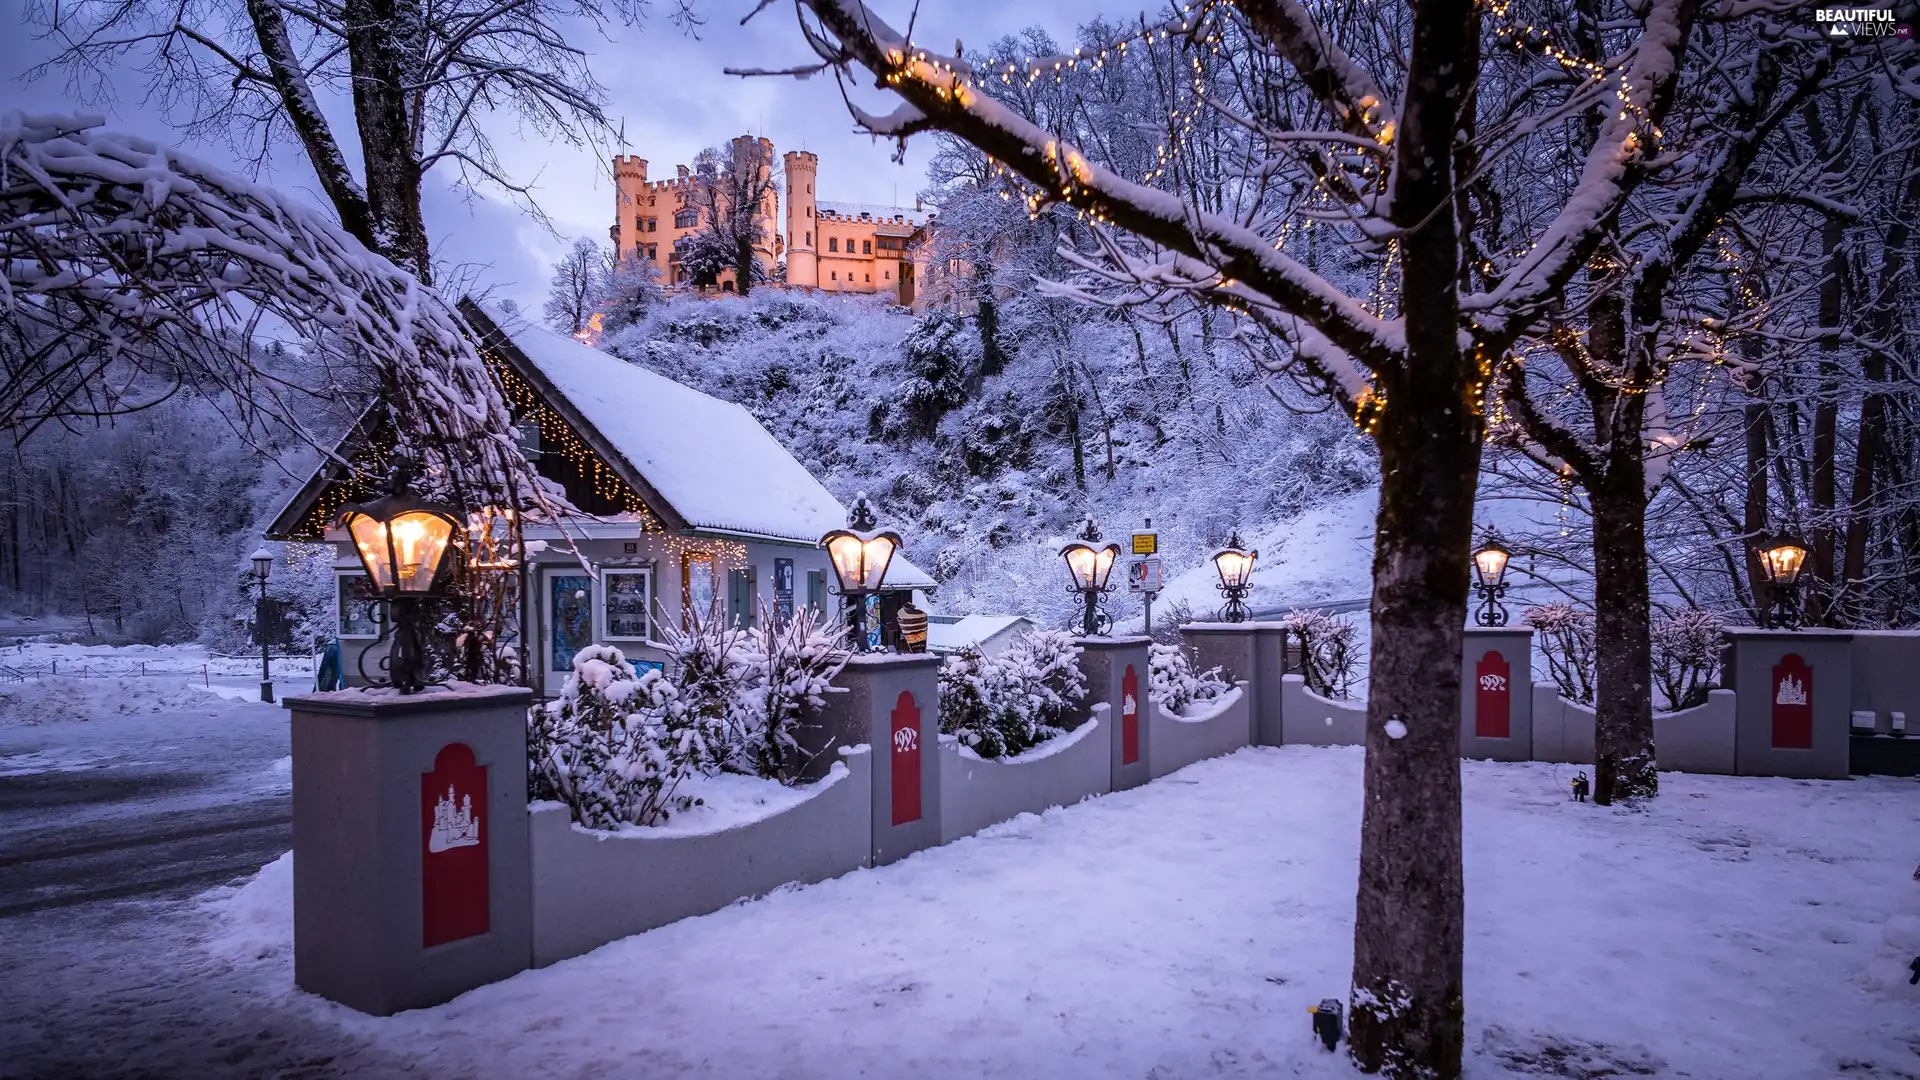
1493 697
1129 717
906 760
1792 697
453 847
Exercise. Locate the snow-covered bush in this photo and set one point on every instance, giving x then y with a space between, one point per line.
999 706
1686 656
707 663
615 746
789 668
1326 644
1171 682
1566 639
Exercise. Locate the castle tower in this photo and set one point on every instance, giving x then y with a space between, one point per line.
760 153
629 196
803 264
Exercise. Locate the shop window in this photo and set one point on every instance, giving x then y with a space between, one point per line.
356 597
817 590
741 596
628 605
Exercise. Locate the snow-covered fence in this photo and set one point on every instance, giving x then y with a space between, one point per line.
1311 720
976 792
1203 730
591 887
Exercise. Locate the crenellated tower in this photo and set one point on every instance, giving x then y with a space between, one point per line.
629 196
803 263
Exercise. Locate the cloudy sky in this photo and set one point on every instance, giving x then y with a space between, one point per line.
666 87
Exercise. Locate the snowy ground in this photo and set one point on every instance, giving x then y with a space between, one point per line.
1740 928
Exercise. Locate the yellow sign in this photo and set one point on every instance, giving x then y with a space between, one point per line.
1146 543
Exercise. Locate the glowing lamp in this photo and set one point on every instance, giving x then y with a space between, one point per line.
1490 579
1089 566
1235 567
860 554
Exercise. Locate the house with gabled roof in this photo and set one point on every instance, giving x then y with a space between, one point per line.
686 504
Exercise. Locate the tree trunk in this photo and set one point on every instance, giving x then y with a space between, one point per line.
1407 1016
384 43
1623 751
1407 1012
1754 520
742 264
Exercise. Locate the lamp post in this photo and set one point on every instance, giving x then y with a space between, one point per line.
1781 557
860 554
1090 566
262 564
1236 571
402 541
1490 584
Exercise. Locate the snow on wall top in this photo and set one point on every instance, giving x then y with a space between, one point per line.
971 630
710 459
879 211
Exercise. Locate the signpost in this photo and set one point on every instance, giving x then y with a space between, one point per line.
1143 573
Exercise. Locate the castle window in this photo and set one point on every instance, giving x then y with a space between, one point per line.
653 251
653 224
836 275
809 239
686 219
869 279
866 247
833 243
809 211
888 274
809 191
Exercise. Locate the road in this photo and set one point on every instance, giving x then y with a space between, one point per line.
141 807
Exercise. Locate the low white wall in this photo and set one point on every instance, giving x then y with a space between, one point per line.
590 888
1219 727
976 792
1307 719
1700 739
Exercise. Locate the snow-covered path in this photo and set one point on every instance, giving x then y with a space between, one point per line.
1740 928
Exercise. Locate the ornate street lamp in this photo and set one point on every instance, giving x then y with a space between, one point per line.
1090 566
1781 557
1236 572
1490 584
262 565
402 541
860 554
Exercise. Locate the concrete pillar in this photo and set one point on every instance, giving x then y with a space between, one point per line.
892 704
411 878
1116 671
1795 693
1253 652
1496 693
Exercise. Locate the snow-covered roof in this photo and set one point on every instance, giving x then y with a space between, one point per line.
902 574
709 459
879 211
972 630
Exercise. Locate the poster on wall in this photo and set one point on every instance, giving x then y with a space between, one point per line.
572 617
700 585
627 598
874 628
358 616
783 589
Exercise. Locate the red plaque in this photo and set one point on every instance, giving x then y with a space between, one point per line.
1129 717
1493 697
1792 695
453 847
906 760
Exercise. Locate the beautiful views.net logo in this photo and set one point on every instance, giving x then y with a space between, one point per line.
1861 22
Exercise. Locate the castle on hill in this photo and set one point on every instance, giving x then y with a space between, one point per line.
831 246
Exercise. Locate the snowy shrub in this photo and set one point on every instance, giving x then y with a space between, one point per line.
1686 656
615 746
999 706
1566 639
1326 646
789 668
1166 626
1171 683
708 665
938 355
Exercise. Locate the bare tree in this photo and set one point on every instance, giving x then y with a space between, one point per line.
735 192
424 80
1376 127
578 281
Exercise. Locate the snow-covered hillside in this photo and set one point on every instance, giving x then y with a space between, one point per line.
986 474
